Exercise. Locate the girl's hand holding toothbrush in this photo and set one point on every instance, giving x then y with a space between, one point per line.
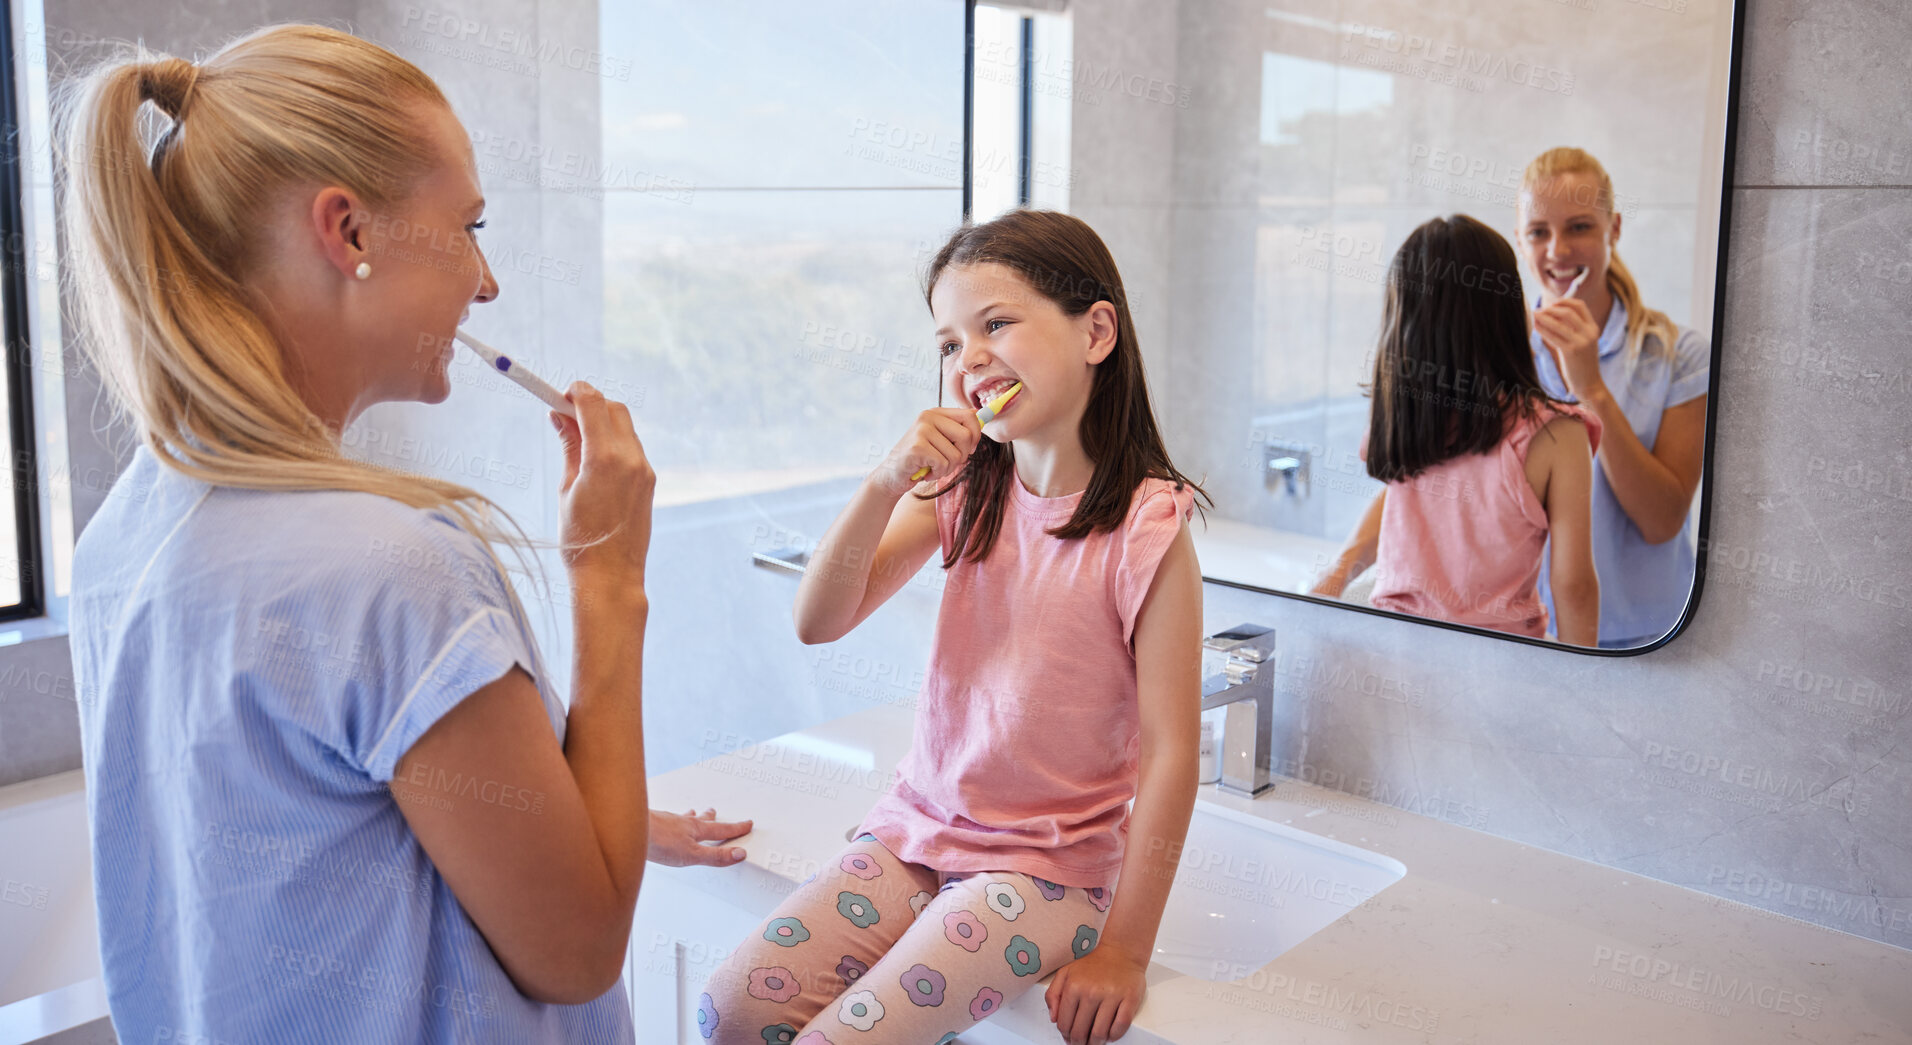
940 440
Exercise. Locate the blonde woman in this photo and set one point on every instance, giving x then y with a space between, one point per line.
332 792
1641 374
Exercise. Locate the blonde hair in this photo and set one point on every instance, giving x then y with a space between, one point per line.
160 227
1641 321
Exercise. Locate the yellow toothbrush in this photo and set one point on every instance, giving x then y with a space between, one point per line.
984 416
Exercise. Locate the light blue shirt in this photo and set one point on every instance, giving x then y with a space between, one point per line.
1643 587
251 665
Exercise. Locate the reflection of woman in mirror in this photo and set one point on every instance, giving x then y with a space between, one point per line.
1643 376
1482 465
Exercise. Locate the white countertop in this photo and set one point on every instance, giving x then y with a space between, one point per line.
1484 940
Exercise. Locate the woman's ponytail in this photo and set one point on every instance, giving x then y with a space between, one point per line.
1641 320
170 331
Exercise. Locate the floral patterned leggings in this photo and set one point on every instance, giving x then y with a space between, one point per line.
865 952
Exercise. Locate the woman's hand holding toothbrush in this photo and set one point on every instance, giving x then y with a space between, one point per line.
1567 329
940 441
605 497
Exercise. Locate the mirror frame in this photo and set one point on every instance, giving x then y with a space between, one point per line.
1735 49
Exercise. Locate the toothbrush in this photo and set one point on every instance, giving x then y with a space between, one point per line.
984 416
1577 280
527 380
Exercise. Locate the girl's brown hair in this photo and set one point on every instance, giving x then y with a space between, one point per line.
1453 362
1061 258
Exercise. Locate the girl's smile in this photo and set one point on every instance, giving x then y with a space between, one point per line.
980 393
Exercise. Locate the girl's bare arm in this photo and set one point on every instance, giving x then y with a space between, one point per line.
1567 495
885 534
1168 668
1357 553
872 549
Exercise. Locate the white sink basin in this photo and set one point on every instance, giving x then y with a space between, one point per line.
1247 890
1241 553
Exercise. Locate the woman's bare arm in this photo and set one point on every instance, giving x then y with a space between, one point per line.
1654 487
545 850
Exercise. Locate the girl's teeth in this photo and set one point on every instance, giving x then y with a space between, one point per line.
988 392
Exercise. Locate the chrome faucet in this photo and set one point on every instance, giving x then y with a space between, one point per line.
1285 466
1248 692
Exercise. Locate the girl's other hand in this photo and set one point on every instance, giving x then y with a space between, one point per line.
1330 586
1567 328
1093 999
940 440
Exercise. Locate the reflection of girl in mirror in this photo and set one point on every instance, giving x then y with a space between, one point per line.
1064 680
1482 466
1632 367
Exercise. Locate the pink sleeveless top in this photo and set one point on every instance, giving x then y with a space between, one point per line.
1462 541
1027 733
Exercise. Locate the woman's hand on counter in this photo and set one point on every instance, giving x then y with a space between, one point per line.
1093 999
677 839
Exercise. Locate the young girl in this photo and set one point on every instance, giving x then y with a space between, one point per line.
1063 682
1483 467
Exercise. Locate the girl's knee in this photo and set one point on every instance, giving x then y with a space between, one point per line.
740 1002
724 994
762 987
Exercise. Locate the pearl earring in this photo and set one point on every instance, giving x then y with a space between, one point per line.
364 270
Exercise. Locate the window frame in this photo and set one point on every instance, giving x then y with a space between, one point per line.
15 328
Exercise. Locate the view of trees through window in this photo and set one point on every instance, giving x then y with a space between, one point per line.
782 180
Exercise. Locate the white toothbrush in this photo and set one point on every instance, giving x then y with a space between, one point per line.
527 380
1577 280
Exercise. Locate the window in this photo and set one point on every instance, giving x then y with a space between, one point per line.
1022 73
777 179
22 587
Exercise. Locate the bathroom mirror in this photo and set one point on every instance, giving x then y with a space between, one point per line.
1317 137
